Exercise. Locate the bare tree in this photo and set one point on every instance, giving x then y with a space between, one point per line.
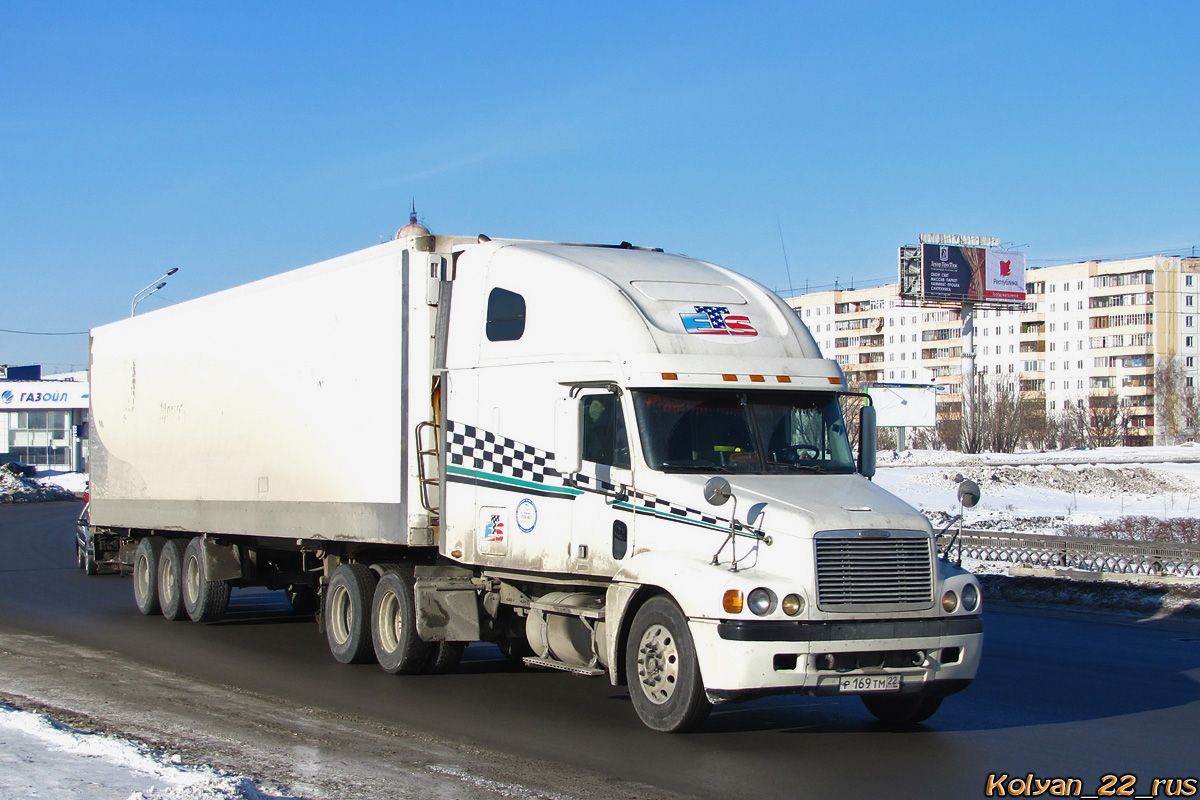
1177 400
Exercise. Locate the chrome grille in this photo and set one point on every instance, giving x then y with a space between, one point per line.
874 570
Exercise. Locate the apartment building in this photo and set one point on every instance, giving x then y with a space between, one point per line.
1091 334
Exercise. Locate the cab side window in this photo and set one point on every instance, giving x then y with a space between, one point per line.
505 316
604 437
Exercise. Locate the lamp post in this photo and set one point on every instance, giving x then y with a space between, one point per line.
150 289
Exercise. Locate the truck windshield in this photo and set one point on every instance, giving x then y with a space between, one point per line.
759 432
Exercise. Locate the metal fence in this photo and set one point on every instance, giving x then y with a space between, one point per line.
1068 552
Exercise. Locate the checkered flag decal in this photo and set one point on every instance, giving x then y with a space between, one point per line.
667 507
473 448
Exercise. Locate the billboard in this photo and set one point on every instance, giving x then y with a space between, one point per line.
904 405
955 272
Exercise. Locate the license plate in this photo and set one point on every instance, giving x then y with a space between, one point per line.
871 683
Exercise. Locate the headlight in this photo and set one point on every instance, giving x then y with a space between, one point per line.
950 602
970 597
761 601
793 604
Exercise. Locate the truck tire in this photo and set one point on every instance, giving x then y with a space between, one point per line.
663 674
398 648
204 600
443 657
901 711
170 580
348 613
145 575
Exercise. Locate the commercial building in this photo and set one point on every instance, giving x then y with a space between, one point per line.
1092 335
43 420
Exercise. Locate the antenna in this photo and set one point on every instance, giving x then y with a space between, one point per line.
783 247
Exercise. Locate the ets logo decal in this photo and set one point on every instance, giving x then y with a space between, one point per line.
494 530
717 320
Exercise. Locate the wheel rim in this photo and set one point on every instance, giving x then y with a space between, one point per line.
340 614
166 579
141 576
658 664
191 582
390 621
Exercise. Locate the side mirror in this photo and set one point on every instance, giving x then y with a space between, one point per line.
568 443
969 494
867 444
717 491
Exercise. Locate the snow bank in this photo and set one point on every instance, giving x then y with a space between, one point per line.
17 488
43 758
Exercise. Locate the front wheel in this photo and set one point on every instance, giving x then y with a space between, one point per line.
663 673
901 710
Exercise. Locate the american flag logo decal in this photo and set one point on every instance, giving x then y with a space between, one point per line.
717 320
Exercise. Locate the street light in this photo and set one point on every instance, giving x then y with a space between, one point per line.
150 289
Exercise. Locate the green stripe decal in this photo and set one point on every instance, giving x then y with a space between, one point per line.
664 515
491 477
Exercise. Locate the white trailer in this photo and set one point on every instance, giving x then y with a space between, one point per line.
607 460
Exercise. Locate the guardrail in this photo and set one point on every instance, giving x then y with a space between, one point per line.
1154 559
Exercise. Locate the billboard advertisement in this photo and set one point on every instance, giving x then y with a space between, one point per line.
955 272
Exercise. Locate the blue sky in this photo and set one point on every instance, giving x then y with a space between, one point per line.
239 140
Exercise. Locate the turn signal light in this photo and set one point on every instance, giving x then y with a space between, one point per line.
733 602
950 602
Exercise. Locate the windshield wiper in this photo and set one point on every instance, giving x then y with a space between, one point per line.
798 467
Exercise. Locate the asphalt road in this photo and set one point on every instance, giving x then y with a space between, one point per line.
1058 696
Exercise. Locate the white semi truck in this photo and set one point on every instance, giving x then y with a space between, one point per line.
608 460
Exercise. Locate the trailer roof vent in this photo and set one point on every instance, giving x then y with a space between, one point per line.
413 228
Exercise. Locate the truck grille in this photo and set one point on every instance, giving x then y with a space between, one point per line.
874 570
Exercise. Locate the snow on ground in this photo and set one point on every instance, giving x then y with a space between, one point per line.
46 486
1047 492
40 758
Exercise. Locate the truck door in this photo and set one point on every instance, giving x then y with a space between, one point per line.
602 534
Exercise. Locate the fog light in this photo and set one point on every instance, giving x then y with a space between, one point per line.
950 602
732 602
793 604
761 601
970 597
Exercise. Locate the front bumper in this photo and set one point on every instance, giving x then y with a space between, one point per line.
743 659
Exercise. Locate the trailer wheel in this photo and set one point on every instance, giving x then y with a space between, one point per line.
145 575
398 648
901 710
170 580
664 675
204 600
348 612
